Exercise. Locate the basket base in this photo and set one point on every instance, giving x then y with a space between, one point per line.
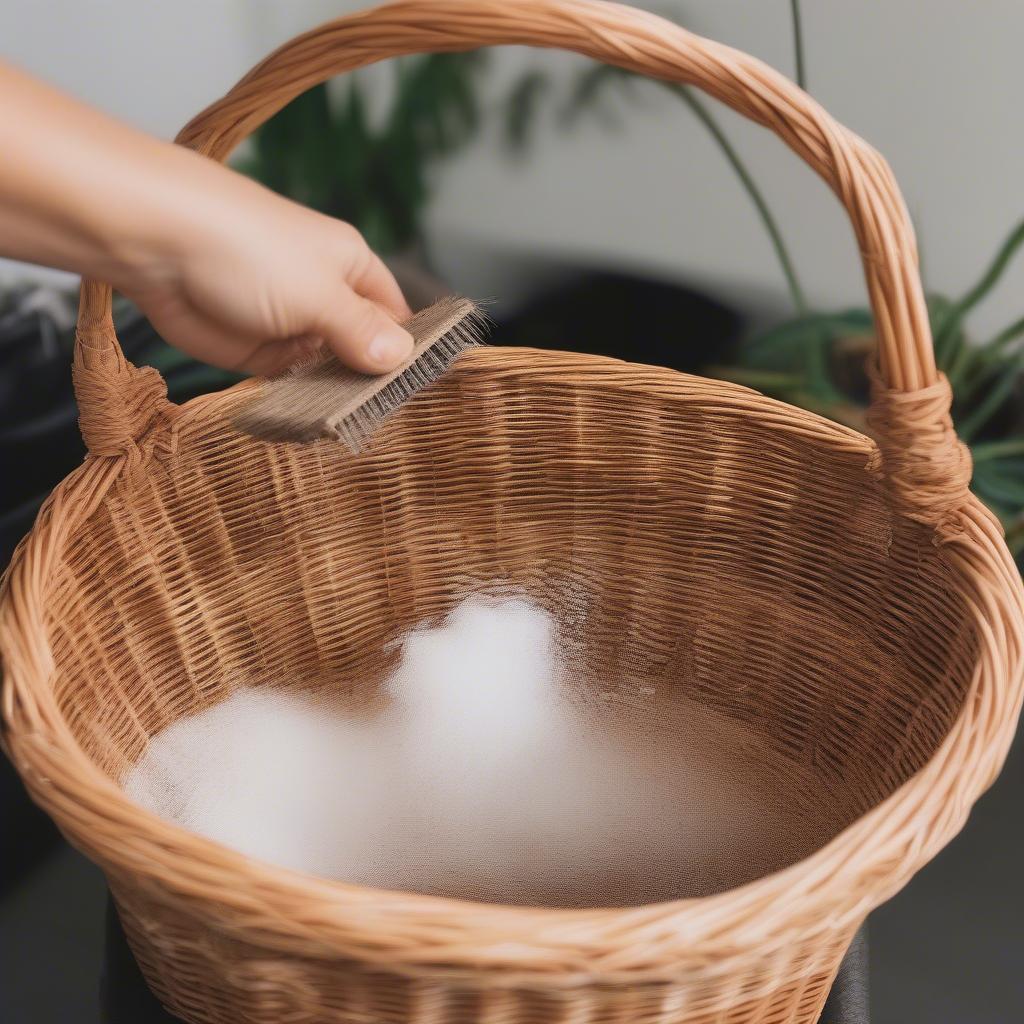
126 999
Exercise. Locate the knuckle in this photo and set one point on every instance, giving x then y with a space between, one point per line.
352 241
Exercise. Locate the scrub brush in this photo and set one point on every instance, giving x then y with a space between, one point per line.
327 400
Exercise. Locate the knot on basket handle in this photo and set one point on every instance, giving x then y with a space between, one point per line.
118 403
926 466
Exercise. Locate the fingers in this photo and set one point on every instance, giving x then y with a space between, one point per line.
341 295
366 272
178 323
361 334
357 330
221 345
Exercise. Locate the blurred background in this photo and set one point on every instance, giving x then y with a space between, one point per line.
599 212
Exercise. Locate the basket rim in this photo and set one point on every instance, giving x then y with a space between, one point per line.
827 894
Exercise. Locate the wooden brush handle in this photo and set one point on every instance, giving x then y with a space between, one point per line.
911 399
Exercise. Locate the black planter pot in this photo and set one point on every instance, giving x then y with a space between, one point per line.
626 317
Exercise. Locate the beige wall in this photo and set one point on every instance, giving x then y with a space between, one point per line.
938 86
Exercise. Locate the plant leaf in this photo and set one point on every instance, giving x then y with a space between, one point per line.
521 107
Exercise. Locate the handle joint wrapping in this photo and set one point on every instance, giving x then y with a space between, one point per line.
118 403
926 466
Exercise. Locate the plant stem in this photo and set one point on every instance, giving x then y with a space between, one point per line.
950 323
1004 337
993 401
1015 540
815 354
705 116
963 359
997 449
798 45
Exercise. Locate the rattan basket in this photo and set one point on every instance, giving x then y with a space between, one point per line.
850 600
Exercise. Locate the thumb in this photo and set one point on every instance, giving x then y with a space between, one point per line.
362 335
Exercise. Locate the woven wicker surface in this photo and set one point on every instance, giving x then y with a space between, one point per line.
851 602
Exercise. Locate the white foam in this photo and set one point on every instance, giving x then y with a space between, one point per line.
476 777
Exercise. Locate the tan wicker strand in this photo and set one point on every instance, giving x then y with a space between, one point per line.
861 613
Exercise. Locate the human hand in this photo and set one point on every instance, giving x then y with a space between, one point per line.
253 282
225 269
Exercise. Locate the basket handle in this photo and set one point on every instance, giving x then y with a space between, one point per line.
923 459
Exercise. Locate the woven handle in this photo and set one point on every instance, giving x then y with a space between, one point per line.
911 405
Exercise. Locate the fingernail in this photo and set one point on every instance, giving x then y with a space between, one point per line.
390 348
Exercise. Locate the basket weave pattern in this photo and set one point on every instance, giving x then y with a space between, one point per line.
851 601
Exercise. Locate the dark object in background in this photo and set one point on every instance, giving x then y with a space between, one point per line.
39 439
848 1000
29 835
626 317
39 445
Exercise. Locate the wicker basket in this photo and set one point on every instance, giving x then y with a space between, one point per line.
851 601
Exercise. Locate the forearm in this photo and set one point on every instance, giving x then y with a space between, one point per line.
83 192
224 268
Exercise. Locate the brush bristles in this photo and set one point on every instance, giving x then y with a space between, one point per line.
327 400
355 428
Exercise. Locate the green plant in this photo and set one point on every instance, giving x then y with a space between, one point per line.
373 173
815 359
987 380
